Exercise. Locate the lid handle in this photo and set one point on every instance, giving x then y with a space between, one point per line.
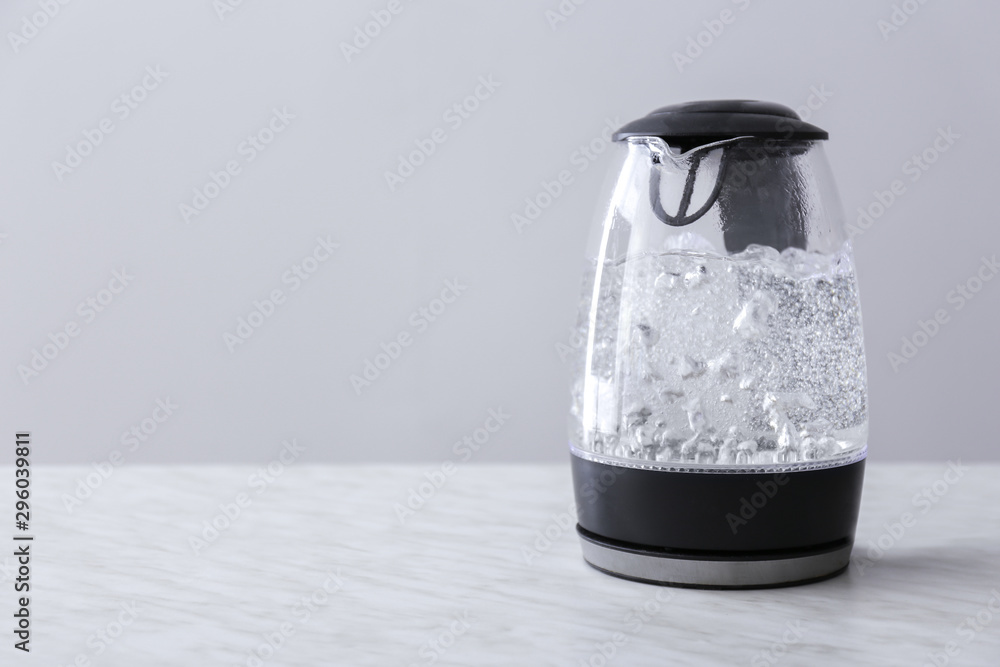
682 218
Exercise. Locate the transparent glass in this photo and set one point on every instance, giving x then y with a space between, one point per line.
720 312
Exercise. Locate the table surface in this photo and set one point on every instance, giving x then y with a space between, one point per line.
320 567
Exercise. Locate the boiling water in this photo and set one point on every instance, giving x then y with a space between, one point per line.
695 359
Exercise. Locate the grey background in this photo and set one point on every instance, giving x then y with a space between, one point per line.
495 346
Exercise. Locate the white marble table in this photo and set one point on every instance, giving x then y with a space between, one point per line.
319 563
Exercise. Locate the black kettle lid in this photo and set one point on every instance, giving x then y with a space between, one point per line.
692 124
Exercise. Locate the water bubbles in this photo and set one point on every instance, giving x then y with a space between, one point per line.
689 448
796 399
787 438
576 404
644 441
691 367
726 365
816 449
647 334
764 347
666 281
670 395
804 264
745 452
637 415
696 276
778 420
705 452
658 421
817 427
643 435
604 443
752 320
841 445
762 254
696 415
648 373
727 452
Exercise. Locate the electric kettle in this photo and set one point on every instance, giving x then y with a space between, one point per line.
719 418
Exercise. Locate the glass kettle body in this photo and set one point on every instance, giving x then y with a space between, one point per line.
719 417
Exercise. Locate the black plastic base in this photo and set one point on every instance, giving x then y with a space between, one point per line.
709 516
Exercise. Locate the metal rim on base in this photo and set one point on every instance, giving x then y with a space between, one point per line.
673 570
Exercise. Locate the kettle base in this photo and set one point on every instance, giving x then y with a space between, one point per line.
714 572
